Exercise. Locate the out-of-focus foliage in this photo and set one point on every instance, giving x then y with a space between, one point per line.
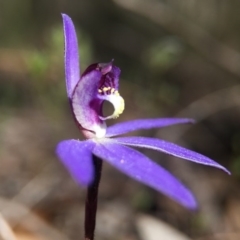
164 54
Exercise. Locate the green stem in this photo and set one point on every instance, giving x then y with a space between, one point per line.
91 200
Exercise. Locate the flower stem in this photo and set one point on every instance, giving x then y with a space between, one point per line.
91 200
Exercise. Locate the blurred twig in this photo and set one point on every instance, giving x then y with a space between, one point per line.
221 236
206 106
213 103
37 188
18 209
16 213
195 36
6 232
150 227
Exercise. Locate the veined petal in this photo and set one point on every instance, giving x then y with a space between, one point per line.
142 169
72 72
98 83
86 106
129 126
77 158
169 148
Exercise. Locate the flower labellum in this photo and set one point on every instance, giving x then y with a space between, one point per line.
97 84
87 93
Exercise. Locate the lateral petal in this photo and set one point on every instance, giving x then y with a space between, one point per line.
76 156
134 125
142 169
169 148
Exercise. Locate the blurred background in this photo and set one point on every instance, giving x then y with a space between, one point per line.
179 58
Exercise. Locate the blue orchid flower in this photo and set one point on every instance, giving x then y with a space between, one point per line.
86 94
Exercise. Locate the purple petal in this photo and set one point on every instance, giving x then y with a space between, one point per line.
89 94
110 74
169 148
129 126
77 158
72 72
85 104
142 169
